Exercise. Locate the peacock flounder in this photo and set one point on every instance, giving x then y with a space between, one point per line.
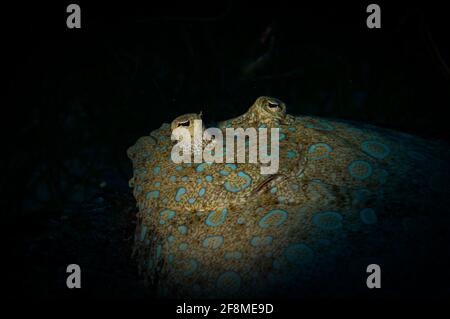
226 230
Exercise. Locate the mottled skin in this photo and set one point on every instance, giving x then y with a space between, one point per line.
219 230
186 120
265 111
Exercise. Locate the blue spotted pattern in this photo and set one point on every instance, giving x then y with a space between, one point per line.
360 169
235 189
166 214
180 192
226 172
368 216
152 194
291 154
182 229
320 146
258 241
213 242
375 149
273 218
216 218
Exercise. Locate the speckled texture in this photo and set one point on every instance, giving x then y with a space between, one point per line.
220 230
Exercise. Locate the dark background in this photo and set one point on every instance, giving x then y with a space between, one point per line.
77 99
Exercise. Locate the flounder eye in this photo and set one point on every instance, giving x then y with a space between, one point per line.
184 123
273 104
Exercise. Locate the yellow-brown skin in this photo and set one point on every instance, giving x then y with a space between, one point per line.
266 110
336 181
187 121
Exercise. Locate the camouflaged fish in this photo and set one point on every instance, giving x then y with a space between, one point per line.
225 230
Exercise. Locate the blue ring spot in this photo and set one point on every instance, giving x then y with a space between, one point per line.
156 170
152 194
353 167
171 239
213 242
212 218
273 190
140 172
224 172
191 200
267 221
291 154
313 149
182 230
201 192
258 241
166 214
200 168
328 220
173 178
183 246
368 216
229 282
209 178
184 178
193 265
180 192
233 189
375 149
179 168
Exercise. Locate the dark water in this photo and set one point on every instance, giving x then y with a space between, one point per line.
77 99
